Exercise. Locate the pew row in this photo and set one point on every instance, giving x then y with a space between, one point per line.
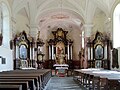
36 79
97 79
11 87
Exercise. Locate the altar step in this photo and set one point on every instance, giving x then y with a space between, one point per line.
62 83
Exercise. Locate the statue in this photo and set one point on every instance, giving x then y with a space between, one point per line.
60 57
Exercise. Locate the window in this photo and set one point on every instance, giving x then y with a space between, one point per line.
116 27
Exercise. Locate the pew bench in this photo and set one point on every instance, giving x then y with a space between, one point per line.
30 82
41 76
10 87
25 85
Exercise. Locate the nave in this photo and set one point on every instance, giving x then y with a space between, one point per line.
62 83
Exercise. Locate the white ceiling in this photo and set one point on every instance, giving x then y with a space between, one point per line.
53 12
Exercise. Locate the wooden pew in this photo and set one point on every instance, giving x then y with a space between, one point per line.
43 75
102 79
21 76
36 85
24 84
10 87
30 82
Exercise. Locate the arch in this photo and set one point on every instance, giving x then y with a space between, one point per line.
116 24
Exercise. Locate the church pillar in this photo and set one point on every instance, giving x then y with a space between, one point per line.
52 52
33 32
17 52
71 52
88 28
68 51
49 52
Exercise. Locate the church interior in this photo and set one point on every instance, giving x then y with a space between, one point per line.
43 40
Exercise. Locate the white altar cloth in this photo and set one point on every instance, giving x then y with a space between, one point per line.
28 68
61 66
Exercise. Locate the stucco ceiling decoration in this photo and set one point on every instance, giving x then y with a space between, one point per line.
60 16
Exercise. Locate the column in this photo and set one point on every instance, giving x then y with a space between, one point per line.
33 53
30 52
87 28
33 32
49 51
68 50
52 52
71 52
17 52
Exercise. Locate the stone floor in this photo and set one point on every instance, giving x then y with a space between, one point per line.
62 83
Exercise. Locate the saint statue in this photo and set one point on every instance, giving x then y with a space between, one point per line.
60 57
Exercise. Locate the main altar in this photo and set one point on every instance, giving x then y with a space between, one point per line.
60 50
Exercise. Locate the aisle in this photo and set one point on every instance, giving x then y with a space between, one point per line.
62 83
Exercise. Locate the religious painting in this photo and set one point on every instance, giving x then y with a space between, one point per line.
60 48
99 52
23 51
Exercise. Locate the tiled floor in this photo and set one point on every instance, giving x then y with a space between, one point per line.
62 83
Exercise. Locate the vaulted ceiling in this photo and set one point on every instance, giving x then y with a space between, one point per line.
76 11
64 13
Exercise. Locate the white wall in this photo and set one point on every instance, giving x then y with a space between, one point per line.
5 52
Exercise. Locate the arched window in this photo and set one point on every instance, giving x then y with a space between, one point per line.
4 24
116 27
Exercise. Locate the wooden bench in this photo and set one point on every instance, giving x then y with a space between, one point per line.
31 84
101 79
24 84
41 76
10 87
